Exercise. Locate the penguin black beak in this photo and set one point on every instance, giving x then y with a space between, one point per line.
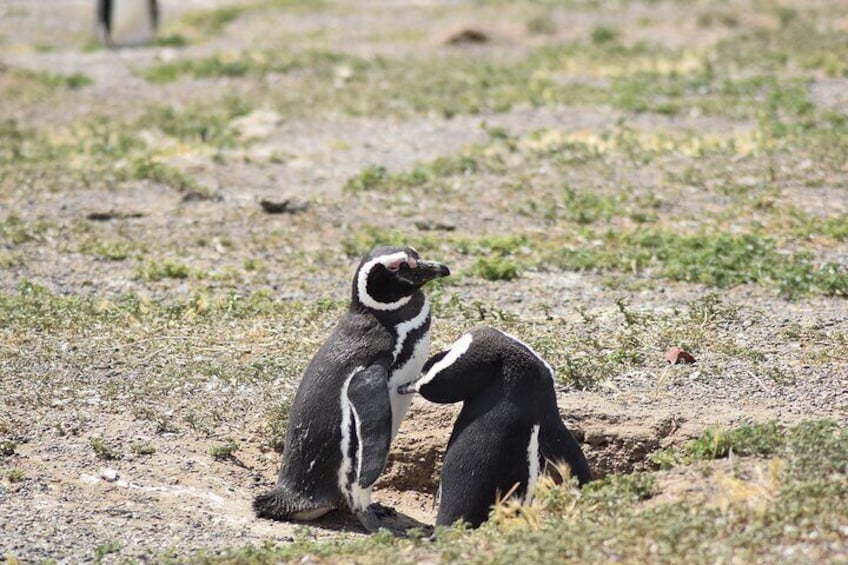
424 271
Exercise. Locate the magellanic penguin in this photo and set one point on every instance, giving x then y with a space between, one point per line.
347 409
127 23
508 428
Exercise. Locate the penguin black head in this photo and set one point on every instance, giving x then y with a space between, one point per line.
462 370
388 277
477 358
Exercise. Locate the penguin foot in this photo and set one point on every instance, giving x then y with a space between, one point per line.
282 503
370 518
382 511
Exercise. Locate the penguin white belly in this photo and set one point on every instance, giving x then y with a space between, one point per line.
403 375
132 22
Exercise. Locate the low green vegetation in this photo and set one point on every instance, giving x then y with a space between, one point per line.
225 451
25 85
764 510
616 192
103 450
7 448
711 259
277 420
747 440
15 475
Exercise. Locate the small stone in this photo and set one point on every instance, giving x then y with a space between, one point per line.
109 475
286 206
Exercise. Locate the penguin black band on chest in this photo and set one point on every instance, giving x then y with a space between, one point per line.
347 408
509 427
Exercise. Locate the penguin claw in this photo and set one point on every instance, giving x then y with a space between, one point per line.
382 511
370 519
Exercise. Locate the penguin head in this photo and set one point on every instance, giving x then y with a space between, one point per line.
462 370
478 358
388 277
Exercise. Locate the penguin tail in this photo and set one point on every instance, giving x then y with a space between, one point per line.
282 503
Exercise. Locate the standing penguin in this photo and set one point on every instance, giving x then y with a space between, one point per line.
508 428
124 23
347 409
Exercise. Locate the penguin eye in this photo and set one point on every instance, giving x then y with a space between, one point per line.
394 266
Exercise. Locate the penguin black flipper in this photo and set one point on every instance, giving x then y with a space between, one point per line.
558 446
369 395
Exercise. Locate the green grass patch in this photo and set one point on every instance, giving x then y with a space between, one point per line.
147 168
32 306
209 125
15 475
746 440
7 447
225 451
103 450
27 85
14 231
211 22
718 260
714 260
426 174
109 250
496 269
248 63
277 420
159 270
748 516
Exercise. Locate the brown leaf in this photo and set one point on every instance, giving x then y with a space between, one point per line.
675 356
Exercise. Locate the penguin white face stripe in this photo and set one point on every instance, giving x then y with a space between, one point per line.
456 351
362 282
532 463
531 350
404 328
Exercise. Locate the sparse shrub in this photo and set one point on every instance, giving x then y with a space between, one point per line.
102 450
603 34
143 449
370 178
155 271
225 451
7 447
15 475
496 268
277 422
155 171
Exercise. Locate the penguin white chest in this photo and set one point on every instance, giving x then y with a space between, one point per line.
132 22
402 375
411 369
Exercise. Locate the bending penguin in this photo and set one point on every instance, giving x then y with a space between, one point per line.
508 428
347 409
124 23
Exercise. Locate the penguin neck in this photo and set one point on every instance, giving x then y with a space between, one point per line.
392 318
